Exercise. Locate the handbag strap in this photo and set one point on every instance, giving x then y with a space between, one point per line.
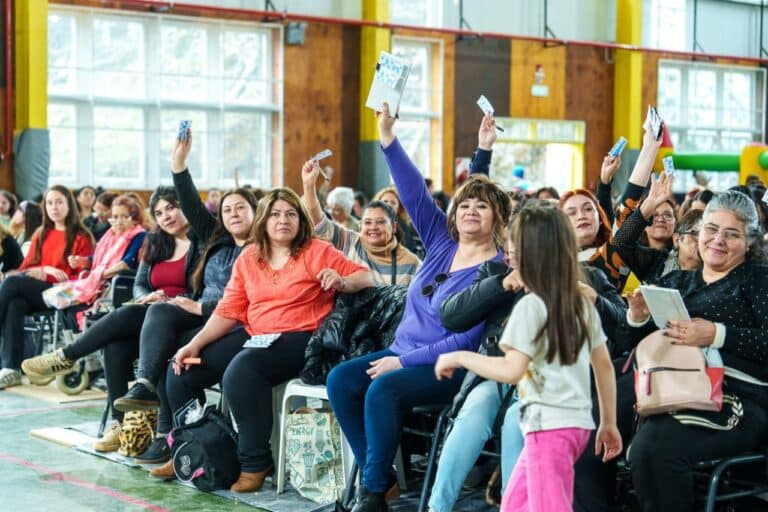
394 264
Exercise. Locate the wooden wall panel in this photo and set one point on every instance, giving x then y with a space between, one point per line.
526 55
312 110
349 148
589 97
482 67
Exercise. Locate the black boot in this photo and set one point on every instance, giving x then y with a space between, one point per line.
368 501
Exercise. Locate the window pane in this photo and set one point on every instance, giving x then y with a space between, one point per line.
247 148
414 136
118 147
118 58
62 126
670 94
417 89
62 49
703 97
411 12
737 100
246 66
184 62
169 122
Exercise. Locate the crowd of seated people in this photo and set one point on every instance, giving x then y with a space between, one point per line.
511 295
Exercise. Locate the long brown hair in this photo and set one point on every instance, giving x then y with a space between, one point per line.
548 263
481 187
73 225
259 231
218 232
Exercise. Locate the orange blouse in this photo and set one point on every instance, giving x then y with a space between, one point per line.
290 299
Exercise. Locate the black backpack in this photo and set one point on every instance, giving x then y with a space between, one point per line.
204 452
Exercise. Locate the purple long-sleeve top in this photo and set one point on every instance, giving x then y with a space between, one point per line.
421 337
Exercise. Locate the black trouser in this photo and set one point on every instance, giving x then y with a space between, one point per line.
166 328
247 376
118 334
663 453
20 295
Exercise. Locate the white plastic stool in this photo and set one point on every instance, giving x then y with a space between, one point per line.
297 389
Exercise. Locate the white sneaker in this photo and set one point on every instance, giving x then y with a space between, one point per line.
9 377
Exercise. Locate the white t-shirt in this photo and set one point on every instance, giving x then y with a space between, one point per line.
552 396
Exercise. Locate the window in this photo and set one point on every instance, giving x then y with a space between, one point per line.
119 84
419 13
709 107
666 22
420 126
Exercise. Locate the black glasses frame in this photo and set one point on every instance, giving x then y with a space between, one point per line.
429 289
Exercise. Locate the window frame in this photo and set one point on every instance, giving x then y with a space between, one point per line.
434 114
215 171
685 125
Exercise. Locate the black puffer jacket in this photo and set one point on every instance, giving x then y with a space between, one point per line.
359 324
486 299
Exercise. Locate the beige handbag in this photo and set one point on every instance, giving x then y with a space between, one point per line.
674 377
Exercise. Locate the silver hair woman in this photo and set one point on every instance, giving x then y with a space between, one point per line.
727 300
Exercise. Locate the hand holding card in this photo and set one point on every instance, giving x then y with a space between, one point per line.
184 127
656 122
618 147
487 108
319 156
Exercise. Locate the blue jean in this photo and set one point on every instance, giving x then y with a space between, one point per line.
371 412
472 428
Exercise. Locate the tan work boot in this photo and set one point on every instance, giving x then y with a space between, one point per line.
251 482
165 471
110 441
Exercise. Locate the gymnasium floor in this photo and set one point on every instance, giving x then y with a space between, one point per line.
37 474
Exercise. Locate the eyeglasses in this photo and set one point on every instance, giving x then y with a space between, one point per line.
666 216
694 233
727 235
429 289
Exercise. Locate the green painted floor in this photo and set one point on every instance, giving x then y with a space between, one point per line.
40 475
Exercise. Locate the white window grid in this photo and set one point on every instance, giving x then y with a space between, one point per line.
420 125
700 105
210 162
419 13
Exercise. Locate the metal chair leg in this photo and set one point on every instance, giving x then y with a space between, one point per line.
349 490
104 417
429 473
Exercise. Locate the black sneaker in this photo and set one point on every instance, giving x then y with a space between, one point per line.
138 398
156 453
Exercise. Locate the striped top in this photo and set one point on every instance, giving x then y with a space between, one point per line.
379 260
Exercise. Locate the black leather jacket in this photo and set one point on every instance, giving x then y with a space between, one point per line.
486 299
359 324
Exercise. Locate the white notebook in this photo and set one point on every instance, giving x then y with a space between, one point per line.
388 83
665 304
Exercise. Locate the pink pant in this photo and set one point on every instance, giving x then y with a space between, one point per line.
542 480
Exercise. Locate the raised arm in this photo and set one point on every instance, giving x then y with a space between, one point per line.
486 136
428 219
640 259
309 174
608 170
200 219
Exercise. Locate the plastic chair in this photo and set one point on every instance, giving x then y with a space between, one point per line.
297 389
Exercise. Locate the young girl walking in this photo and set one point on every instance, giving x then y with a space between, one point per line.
551 338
